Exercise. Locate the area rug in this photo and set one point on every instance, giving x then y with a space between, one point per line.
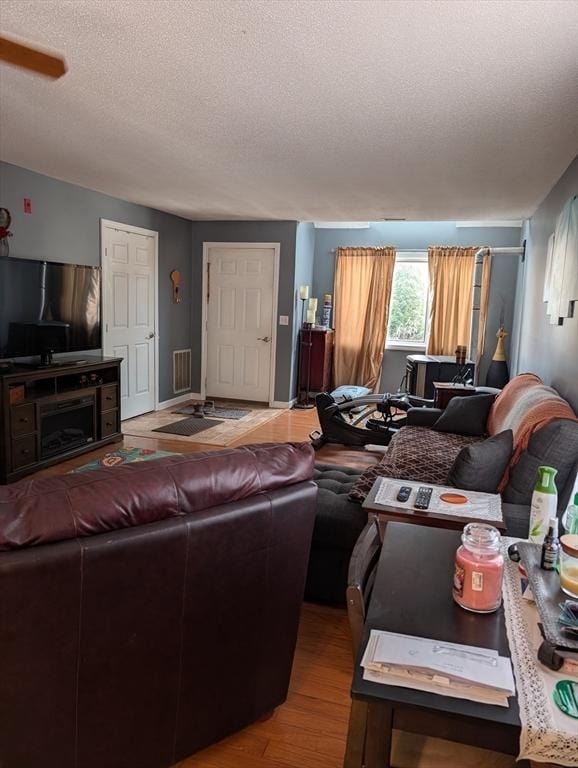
123 456
222 434
188 427
219 413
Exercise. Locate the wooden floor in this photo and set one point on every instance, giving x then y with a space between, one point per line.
289 426
309 730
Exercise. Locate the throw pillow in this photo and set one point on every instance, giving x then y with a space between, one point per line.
465 415
415 453
481 466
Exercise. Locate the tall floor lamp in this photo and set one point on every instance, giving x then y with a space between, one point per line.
304 346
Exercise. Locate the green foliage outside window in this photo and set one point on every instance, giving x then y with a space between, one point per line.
407 312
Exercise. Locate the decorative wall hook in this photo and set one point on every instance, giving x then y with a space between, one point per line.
176 281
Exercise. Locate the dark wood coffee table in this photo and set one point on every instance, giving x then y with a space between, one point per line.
412 595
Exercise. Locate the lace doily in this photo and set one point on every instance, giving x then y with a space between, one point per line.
547 735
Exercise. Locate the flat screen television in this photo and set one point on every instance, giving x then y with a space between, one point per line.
48 307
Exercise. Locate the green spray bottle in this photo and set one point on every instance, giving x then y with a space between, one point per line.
544 504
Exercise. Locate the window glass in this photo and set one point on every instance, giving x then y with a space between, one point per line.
409 303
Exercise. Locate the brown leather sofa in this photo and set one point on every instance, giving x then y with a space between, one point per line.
149 610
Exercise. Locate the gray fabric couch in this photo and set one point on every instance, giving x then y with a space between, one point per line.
340 520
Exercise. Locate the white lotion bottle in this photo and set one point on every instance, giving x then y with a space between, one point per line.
544 504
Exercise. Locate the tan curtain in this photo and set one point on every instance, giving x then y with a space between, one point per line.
451 273
363 278
484 302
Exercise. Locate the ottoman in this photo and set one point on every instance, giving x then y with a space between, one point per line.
338 523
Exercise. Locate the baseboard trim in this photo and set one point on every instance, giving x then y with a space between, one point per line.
283 403
178 400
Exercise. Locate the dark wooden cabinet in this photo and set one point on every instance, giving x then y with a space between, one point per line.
316 357
23 451
51 414
22 419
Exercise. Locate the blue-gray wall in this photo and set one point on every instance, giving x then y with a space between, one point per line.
304 264
419 235
551 351
65 226
283 232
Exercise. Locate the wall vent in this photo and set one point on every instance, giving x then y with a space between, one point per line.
181 370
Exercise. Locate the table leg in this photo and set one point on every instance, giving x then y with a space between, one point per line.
381 524
355 748
379 733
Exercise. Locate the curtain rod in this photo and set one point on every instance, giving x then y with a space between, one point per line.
515 250
397 250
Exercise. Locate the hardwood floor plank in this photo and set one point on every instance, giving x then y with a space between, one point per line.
311 722
297 736
299 703
298 757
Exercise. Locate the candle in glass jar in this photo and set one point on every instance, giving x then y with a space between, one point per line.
479 569
304 292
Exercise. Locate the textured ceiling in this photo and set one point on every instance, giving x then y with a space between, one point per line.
300 110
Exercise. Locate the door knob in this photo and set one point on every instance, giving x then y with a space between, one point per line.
151 335
264 338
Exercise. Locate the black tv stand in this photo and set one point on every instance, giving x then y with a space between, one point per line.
43 407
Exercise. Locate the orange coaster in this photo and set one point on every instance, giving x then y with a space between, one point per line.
453 498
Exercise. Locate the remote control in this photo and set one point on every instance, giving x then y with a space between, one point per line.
423 497
404 493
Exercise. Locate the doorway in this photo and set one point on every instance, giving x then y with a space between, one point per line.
129 257
240 292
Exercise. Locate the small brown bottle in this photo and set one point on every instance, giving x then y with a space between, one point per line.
550 547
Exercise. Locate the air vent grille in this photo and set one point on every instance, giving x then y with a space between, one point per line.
181 370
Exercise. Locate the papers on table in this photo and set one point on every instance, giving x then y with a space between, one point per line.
461 671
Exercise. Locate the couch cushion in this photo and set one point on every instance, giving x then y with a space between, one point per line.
57 508
555 445
415 453
480 467
423 417
465 415
339 520
517 520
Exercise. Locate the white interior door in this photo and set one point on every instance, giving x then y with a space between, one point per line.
239 340
129 291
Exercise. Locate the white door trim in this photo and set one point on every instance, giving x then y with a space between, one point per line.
119 226
276 247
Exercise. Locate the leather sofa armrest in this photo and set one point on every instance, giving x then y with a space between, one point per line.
423 417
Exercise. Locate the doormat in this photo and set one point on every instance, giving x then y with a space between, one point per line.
123 456
221 413
188 427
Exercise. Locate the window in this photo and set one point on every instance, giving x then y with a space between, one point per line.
408 307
